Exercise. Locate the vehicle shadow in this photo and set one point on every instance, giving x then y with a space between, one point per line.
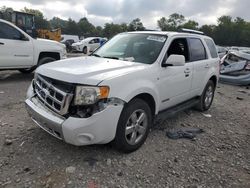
14 76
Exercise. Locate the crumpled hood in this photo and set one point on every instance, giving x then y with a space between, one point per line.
88 70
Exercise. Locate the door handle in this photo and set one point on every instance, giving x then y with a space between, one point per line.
187 71
1 43
207 66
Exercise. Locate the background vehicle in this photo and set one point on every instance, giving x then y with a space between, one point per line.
20 51
26 22
115 94
87 45
68 40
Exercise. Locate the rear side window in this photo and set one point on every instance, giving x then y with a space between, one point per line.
197 49
211 47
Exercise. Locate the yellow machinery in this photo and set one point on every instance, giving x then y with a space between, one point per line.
49 34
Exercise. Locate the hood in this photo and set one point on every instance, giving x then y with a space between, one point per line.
77 43
88 70
49 42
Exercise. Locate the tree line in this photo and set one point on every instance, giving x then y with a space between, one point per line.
227 32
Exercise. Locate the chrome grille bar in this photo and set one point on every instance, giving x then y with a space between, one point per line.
51 96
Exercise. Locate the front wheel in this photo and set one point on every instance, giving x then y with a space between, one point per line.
85 50
207 97
133 126
45 60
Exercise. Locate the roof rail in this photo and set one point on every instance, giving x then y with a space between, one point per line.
191 31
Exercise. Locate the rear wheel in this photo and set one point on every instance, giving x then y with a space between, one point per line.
207 97
133 126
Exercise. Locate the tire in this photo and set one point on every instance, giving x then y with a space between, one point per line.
45 60
207 97
85 50
27 71
136 134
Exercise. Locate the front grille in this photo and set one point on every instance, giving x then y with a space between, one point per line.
51 96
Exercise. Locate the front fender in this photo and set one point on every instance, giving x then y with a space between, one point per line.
131 89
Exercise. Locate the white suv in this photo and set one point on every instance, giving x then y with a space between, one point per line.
116 93
20 51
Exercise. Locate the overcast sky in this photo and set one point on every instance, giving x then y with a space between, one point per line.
101 11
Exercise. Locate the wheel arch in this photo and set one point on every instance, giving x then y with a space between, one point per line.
149 99
214 79
54 55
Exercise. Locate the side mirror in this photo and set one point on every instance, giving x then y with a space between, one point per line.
174 60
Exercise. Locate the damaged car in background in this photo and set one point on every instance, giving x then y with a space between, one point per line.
235 68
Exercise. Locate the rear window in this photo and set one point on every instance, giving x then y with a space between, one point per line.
197 50
212 48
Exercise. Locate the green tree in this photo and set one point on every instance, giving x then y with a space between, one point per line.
71 28
111 29
56 22
5 13
163 24
173 22
136 25
190 24
85 27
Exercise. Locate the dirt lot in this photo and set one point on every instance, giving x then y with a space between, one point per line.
219 157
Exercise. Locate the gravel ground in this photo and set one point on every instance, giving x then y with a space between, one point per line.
219 157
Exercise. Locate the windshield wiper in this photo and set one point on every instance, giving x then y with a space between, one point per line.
111 57
96 55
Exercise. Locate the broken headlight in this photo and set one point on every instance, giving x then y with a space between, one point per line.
87 95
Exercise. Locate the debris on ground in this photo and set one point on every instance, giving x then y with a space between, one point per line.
189 133
70 170
207 115
240 98
8 142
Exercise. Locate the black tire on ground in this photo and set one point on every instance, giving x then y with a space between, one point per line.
85 50
137 111
27 71
45 60
207 97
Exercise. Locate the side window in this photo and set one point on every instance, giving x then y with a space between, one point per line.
179 47
211 47
92 41
8 32
97 40
197 50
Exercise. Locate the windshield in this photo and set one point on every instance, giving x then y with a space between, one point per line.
136 47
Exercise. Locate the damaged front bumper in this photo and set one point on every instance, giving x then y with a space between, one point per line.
100 128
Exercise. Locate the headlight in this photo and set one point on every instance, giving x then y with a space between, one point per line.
86 95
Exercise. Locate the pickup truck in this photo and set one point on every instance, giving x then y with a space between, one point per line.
114 94
19 51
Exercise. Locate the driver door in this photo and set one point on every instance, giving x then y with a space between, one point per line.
14 51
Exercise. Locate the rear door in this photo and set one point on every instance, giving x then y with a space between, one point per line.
201 64
14 52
